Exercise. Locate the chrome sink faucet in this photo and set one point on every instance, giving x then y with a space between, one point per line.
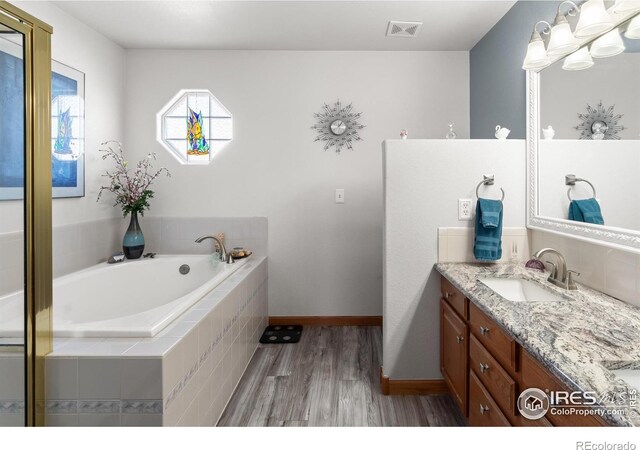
224 256
560 275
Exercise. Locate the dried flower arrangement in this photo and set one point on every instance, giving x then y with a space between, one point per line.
131 187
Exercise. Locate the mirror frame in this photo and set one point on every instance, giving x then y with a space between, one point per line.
620 238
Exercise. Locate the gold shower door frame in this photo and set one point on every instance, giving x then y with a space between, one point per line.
37 201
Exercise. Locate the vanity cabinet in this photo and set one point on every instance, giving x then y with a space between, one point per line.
535 375
483 410
454 354
486 370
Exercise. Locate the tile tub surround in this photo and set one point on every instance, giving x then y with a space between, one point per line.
577 339
184 376
81 245
177 235
12 403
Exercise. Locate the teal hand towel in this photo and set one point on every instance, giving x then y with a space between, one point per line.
587 211
487 244
491 212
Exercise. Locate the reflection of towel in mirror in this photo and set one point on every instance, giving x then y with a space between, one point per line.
487 244
587 211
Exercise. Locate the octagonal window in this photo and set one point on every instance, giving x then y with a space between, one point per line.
194 126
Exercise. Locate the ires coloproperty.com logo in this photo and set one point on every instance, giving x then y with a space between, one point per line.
534 403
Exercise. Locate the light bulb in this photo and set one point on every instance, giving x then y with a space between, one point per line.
594 19
579 60
536 57
561 40
607 45
633 29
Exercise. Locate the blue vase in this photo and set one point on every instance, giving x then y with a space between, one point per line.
133 242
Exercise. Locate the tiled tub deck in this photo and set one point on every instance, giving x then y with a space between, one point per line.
184 376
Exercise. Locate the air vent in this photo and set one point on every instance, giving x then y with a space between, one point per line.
403 29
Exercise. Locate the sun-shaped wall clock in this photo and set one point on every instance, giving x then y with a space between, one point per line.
600 123
337 126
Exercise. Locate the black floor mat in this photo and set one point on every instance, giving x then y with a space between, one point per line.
281 334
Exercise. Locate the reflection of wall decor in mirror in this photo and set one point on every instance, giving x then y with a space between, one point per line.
451 134
603 148
67 123
337 126
600 123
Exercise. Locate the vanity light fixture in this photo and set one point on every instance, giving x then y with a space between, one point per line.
633 29
594 19
626 6
562 40
537 57
579 60
607 45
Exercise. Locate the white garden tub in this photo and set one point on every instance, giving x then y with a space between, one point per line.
131 299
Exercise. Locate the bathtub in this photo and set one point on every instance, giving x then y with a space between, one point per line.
131 299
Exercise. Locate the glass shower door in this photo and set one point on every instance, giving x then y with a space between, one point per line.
12 221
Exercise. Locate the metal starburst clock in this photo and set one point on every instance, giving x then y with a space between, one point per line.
600 123
337 126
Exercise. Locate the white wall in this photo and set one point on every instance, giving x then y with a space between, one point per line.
102 62
423 182
324 258
612 167
614 81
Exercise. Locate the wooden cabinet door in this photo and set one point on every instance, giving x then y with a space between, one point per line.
483 410
453 354
495 379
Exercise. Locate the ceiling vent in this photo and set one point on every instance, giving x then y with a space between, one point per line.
403 29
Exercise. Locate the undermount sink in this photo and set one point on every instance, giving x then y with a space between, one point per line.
630 376
519 290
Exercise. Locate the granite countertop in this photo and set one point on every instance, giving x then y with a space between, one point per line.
578 339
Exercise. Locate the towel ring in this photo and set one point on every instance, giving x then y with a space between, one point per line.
571 180
487 181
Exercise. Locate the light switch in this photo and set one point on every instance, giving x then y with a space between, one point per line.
339 195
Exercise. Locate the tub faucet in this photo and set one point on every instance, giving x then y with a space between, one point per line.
224 256
560 276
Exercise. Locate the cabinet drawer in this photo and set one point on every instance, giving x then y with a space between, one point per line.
499 344
454 297
534 375
483 410
494 378
454 354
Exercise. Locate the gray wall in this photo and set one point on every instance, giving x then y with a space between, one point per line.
498 82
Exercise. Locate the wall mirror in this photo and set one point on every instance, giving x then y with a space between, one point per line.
583 139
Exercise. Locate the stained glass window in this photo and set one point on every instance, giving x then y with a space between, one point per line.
194 126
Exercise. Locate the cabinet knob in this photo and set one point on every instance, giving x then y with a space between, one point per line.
447 295
459 339
484 367
484 331
483 409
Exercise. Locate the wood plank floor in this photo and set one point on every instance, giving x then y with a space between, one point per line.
330 378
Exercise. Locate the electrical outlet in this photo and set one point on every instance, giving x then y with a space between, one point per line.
339 195
464 209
